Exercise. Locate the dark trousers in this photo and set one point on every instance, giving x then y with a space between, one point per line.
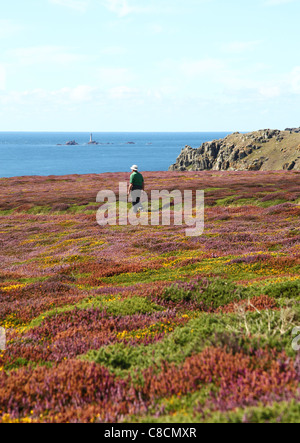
136 194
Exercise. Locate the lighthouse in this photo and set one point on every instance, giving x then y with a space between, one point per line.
92 142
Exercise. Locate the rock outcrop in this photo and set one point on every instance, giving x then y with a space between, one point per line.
261 150
71 143
293 130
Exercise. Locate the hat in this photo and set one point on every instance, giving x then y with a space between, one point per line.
134 168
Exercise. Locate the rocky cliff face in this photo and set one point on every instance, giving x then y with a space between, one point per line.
264 150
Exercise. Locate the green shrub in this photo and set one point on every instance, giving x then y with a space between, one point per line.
246 332
209 295
131 306
181 343
118 357
39 210
276 413
287 289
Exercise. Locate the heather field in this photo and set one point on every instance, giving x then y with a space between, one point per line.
143 324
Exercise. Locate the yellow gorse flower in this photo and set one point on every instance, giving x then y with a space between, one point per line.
12 287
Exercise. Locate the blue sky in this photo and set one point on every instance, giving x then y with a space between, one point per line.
149 65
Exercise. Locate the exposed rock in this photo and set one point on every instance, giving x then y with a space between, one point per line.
267 149
289 166
71 143
297 130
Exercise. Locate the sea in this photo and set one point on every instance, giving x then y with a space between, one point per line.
46 153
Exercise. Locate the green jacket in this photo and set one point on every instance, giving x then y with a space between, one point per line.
136 179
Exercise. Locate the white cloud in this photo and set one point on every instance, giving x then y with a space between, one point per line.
197 68
240 46
43 97
76 95
269 91
2 78
294 80
123 92
167 7
155 28
114 76
277 2
125 7
65 98
44 55
78 5
9 28
114 50
82 93
120 7
216 78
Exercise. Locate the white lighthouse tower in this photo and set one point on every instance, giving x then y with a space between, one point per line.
92 142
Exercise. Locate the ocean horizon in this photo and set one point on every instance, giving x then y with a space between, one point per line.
46 153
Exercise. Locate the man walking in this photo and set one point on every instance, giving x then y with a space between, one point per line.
137 185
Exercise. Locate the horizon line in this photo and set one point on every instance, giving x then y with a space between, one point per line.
122 132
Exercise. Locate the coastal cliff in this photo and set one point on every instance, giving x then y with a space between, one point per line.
264 150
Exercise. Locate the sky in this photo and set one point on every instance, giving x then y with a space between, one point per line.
149 65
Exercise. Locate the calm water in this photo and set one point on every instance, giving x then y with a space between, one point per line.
33 153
